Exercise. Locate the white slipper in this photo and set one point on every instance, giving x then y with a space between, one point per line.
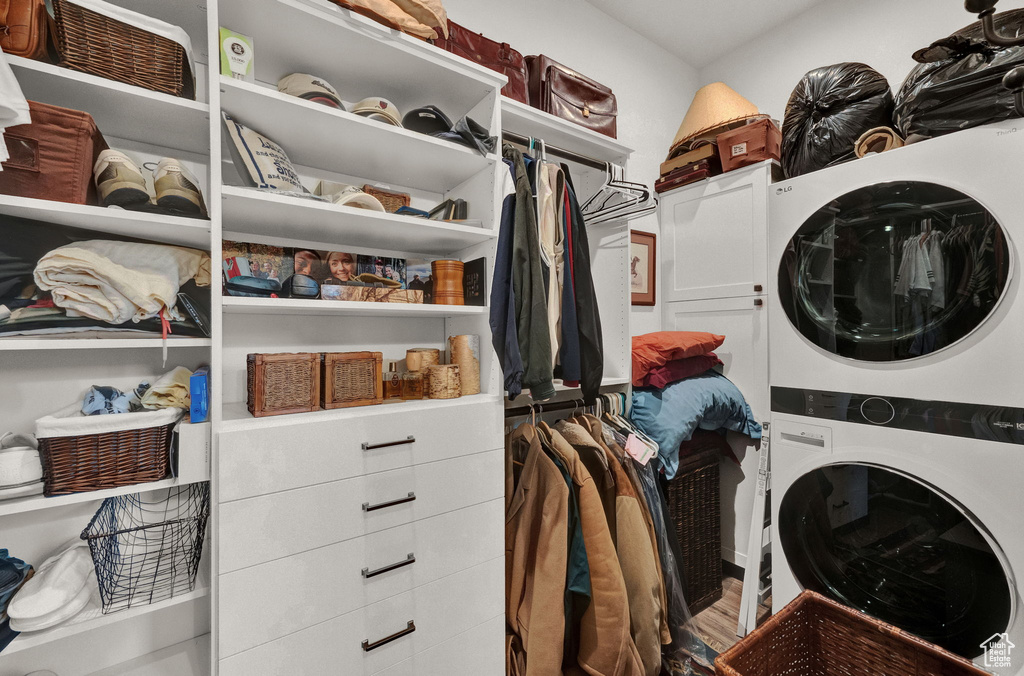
60 589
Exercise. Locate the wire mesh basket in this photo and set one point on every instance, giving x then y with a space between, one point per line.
148 551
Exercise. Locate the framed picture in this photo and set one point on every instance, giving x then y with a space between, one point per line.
643 264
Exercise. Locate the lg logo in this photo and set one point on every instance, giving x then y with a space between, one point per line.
779 191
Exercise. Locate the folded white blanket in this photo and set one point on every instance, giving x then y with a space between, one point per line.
117 281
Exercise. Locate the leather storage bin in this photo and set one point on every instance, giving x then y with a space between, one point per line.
24 28
749 144
52 158
570 95
497 56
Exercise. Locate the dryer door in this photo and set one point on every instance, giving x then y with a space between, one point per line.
894 271
900 550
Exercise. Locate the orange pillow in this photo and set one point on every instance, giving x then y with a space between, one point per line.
656 349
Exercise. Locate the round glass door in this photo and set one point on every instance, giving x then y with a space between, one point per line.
897 549
894 271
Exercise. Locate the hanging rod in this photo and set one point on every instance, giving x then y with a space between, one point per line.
513 137
545 408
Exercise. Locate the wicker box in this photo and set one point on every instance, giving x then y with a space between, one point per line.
283 383
351 379
815 636
694 506
95 43
90 453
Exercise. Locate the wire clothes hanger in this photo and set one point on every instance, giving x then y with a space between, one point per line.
618 199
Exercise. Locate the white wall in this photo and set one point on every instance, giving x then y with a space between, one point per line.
881 33
653 87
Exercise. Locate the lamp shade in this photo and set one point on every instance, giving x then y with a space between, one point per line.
714 106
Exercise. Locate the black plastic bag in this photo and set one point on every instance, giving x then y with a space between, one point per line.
828 111
965 89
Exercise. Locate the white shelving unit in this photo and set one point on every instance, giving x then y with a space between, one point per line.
327 308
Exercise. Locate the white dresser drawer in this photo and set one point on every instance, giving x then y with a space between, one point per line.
417 619
269 459
269 527
326 582
477 652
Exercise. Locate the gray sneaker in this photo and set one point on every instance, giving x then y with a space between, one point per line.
177 189
119 180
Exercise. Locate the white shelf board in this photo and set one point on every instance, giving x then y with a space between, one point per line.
526 120
37 502
237 417
301 306
120 110
193 232
526 400
325 138
250 211
358 56
35 639
188 657
69 342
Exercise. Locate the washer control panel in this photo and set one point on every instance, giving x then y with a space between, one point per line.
1002 424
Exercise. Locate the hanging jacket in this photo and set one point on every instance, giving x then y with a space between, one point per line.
504 336
528 286
606 647
569 357
587 313
536 547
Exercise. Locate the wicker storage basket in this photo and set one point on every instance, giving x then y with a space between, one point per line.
283 383
392 201
94 43
694 506
351 379
145 551
89 453
815 636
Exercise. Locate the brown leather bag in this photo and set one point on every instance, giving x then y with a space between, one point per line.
567 94
497 56
23 28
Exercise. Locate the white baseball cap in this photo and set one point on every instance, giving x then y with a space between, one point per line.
351 196
311 88
377 108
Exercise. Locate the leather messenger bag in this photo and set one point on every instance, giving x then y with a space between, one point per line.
23 28
497 56
567 94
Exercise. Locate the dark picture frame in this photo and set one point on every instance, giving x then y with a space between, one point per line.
643 267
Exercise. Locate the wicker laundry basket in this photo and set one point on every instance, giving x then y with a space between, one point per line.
89 453
815 636
694 506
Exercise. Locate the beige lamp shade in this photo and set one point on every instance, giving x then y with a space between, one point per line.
714 106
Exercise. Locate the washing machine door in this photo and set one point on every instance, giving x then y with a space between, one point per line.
894 271
897 548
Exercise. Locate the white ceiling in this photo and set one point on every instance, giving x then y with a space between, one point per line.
700 31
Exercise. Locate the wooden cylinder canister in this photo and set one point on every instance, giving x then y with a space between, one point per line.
447 277
419 358
465 351
443 382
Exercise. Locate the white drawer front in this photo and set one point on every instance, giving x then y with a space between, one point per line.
326 582
439 611
270 527
266 460
477 652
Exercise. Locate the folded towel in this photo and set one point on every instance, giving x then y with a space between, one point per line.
170 391
60 589
119 281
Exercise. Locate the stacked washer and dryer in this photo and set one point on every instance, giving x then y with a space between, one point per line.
896 363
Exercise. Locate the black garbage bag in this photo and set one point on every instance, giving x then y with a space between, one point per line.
961 86
828 111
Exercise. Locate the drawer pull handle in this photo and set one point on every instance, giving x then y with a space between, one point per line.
411 559
367 507
387 444
409 628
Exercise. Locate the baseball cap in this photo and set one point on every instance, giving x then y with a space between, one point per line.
377 108
350 195
427 120
311 88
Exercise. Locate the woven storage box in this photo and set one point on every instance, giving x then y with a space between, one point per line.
52 157
145 551
89 453
391 200
694 506
94 43
283 383
815 636
351 379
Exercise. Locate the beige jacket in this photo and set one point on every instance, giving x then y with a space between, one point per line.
536 550
606 647
638 560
